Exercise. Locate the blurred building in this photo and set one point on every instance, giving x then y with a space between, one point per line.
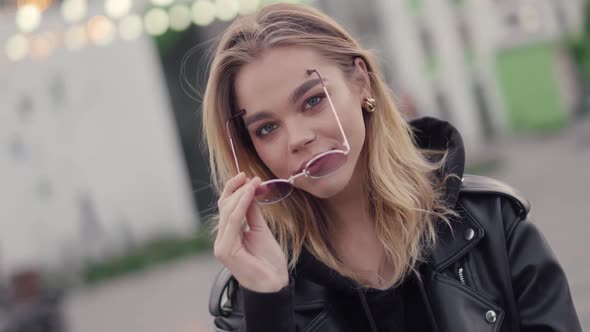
90 158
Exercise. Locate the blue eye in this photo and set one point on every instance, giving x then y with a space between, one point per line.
313 101
265 129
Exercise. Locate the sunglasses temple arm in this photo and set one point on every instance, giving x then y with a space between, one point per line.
231 143
337 120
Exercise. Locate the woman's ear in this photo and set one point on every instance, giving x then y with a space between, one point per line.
362 76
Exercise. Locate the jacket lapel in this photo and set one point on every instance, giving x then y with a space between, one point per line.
453 242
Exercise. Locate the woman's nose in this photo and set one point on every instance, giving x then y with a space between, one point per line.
300 136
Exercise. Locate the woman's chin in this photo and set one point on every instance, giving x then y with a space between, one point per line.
326 187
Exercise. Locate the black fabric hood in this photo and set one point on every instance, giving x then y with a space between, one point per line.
436 134
430 133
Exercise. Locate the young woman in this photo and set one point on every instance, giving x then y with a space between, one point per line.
335 214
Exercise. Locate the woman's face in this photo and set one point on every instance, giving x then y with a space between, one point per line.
290 121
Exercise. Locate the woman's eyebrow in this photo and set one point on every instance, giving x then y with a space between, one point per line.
303 88
297 93
256 117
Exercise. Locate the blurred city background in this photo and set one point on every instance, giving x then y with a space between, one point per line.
104 186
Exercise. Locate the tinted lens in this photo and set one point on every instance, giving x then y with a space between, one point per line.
272 192
326 164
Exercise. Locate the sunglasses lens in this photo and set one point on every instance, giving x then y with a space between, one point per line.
272 192
326 164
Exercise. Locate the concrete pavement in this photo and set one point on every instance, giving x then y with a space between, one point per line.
170 298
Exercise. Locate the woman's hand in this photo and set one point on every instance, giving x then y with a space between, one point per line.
253 256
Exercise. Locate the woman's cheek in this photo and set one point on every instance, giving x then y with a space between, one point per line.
273 161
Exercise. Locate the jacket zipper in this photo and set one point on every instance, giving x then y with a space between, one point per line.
460 272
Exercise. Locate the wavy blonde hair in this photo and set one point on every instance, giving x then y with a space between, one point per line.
405 194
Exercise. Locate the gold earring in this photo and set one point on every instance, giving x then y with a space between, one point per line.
369 104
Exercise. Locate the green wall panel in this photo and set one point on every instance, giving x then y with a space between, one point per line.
530 87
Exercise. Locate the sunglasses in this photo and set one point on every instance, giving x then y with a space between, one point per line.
322 165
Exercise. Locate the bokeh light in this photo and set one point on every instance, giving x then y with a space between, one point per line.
227 10
101 30
180 17
162 3
203 12
156 21
17 47
74 10
75 37
117 8
41 4
42 45
130 27
28 18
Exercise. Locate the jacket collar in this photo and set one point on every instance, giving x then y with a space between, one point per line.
465 231
434 134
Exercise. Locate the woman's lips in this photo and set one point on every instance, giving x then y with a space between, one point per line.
303 164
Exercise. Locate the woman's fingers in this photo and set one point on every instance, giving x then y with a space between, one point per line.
238 214
255 219
230 187
232 193
243 205
233 222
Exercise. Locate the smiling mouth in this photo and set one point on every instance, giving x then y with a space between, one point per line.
310 159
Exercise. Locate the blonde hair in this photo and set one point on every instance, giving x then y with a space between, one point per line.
405 194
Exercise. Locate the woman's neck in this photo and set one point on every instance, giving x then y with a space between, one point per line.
349 211
353 234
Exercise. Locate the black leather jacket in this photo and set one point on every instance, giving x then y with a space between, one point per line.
492 271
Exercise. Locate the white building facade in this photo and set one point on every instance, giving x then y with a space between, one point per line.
90 162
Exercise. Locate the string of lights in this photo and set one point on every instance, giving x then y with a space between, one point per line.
118 19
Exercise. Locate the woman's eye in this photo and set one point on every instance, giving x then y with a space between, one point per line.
265 129
313 101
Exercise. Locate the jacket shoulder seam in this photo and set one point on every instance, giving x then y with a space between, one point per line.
478 184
